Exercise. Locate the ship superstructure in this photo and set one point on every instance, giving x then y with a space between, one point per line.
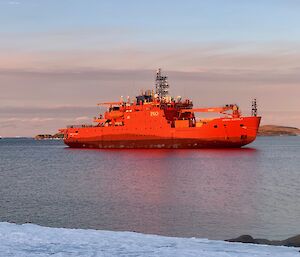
157 120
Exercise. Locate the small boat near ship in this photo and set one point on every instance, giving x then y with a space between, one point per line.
156 120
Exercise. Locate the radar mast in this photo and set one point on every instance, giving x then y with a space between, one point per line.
161 85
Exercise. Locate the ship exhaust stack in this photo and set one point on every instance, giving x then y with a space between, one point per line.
161 85
254 108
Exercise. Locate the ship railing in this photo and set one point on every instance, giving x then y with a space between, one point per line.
81 126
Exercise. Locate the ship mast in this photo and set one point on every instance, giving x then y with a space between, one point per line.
161 85
254 108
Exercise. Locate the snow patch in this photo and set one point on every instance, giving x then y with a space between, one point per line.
32 240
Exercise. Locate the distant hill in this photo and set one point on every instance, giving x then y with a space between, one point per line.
274 130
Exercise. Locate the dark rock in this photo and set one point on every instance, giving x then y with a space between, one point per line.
262 241
292 241
242 239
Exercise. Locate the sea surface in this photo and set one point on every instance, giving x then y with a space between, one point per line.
216 194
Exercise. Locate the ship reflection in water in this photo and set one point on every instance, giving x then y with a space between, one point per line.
177 192
216 194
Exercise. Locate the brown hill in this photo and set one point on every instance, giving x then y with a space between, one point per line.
273 130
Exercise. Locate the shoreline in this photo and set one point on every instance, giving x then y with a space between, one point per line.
34 240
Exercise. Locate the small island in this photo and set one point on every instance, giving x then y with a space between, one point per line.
274 130
49 136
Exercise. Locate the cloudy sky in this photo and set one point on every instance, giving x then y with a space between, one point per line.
58 58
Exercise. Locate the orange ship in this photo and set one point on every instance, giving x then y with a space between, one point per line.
156 120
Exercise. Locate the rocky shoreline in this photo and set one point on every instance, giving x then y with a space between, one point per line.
291 241
49 136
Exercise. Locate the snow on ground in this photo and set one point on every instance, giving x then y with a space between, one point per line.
33 240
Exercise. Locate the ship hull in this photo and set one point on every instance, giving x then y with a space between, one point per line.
161 143
220 133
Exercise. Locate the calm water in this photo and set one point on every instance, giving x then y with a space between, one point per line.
216 194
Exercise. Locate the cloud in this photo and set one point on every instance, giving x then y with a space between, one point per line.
33 120
82 118
291 75
14 3
291 118
191 58
31 126
45 110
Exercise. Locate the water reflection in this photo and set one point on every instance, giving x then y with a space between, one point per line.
176 192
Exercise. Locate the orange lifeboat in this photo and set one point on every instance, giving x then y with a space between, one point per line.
114 115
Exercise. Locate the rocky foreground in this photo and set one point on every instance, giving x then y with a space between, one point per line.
274 130
35 241
291 241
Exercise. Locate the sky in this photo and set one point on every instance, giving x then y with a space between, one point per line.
59 58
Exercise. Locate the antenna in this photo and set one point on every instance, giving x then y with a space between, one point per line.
161 85
254 108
